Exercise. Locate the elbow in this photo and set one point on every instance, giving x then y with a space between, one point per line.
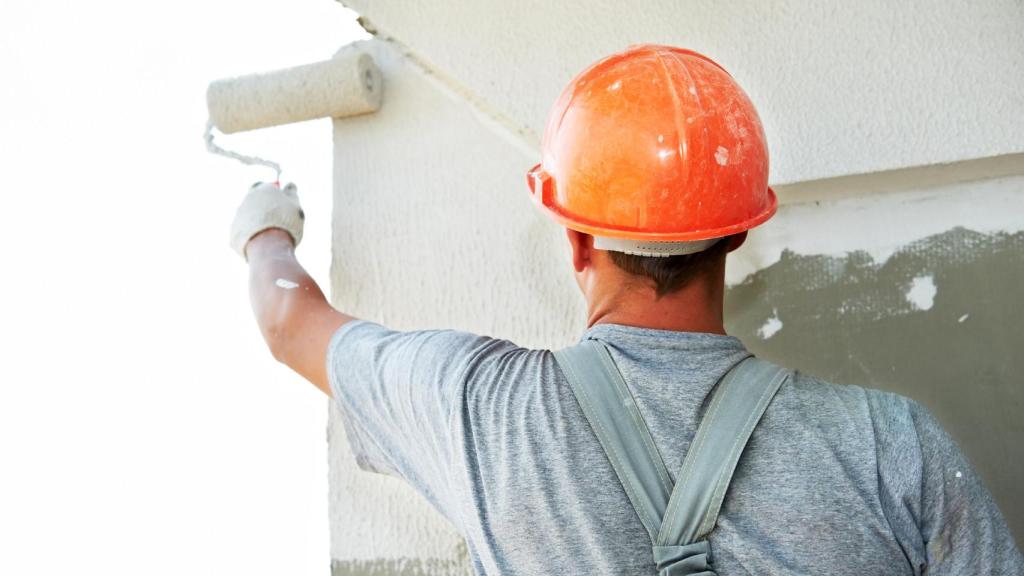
276 343
278 334
276 327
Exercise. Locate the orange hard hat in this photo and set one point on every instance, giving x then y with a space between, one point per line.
655 150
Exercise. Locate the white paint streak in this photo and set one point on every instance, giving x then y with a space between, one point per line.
922 292
722 155
961 319
286 284
771 326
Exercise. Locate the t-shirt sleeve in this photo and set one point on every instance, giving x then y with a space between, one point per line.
400 394
941 512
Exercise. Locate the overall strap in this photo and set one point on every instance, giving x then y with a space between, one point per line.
677 520
737 404
613 415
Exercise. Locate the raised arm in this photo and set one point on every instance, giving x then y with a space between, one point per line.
293 315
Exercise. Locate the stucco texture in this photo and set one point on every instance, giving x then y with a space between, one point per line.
842 87
432 229
433 226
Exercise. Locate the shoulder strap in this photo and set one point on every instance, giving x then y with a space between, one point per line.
736 407
677 519
613 415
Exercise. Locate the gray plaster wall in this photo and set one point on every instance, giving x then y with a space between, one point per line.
899 279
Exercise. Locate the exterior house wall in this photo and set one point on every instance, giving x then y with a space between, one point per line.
842 87
892 263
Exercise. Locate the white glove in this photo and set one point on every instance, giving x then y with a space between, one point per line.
267 206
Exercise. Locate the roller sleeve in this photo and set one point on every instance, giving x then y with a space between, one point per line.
346 85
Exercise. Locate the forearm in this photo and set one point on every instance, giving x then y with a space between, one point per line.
276 280
293 314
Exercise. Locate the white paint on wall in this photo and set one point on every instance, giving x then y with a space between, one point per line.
880 224
771 326
921 294
842 87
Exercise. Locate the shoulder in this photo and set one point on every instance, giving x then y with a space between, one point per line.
850 417
816 395
931 498
814 400
368 340
899 434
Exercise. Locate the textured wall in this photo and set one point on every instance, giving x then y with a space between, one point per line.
843 87
871 279
432 228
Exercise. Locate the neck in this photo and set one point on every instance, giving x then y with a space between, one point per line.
697 307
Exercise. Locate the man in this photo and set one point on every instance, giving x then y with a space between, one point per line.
583 460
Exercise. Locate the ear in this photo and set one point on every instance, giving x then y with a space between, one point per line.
582 248
737 240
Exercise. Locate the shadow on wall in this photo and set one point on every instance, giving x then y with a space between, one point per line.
940 321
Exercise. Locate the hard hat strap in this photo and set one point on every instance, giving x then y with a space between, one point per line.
651 248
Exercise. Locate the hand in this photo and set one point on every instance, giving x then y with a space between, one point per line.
267 206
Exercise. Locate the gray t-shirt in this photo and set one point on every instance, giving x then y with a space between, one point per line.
834 480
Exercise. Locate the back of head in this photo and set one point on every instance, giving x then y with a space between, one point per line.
658 155
670 274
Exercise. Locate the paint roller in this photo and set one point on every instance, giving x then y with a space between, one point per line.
346 85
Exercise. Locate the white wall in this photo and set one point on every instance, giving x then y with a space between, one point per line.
842 87
433 226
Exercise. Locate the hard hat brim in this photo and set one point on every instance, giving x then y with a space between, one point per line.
540 194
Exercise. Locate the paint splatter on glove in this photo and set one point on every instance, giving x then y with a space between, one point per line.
267 206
